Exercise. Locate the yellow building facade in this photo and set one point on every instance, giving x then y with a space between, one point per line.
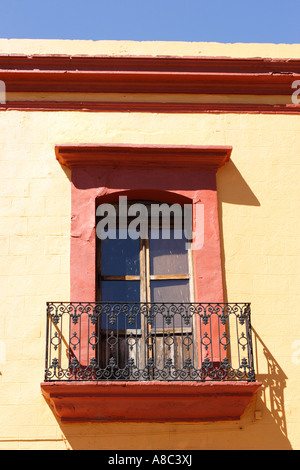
258 192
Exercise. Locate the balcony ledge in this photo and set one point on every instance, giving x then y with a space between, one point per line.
109 401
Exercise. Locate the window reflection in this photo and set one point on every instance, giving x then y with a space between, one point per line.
120 257
168 256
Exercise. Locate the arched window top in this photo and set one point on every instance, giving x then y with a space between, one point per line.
146 196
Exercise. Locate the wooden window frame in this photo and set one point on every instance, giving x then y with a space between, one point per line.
145 275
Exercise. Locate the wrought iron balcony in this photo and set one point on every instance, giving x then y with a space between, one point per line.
94 341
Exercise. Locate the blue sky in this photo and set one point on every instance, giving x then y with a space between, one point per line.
274 21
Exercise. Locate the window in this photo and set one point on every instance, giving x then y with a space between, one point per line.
143 269
155 267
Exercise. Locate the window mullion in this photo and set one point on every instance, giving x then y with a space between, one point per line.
143 276
147 267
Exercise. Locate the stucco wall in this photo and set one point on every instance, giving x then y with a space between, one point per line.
152 48
259 205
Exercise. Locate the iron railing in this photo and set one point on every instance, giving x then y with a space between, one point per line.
148 341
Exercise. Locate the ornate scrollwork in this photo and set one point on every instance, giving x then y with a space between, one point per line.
148 341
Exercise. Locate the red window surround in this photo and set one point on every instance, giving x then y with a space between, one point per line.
102 172
143 171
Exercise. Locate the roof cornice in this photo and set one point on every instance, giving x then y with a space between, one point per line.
147 74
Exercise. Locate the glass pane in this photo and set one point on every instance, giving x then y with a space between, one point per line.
120 291
120 257
171 291
120 317
168 256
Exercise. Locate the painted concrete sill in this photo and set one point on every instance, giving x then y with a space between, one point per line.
148 401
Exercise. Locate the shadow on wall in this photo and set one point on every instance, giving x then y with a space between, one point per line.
271 396
231 189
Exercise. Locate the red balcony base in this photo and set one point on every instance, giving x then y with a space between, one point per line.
149 401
